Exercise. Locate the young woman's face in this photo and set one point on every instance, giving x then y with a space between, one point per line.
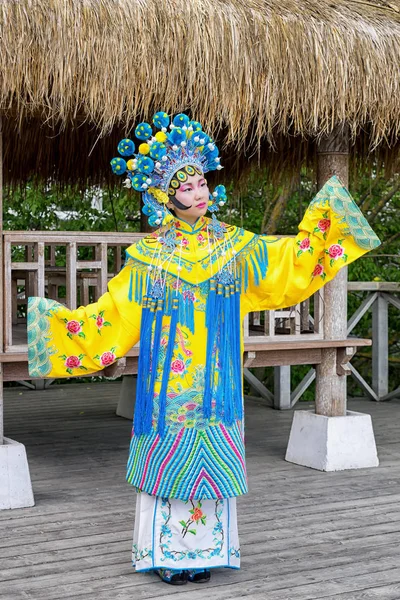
194 194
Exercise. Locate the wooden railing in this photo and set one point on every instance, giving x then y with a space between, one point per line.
377 296
37 273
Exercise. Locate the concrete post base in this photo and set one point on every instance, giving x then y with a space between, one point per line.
15 480
332 443
126 402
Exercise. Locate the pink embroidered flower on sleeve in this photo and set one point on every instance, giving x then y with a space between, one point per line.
304 246
73 326
107 358
323 225
73 362
336 251
100 321
319 270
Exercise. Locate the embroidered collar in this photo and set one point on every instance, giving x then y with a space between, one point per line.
182 225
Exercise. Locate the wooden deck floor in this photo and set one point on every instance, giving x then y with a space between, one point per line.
304 534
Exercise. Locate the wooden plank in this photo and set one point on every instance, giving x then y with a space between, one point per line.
363 384
392 300
88 264
373 286
262 344
25 266
261 358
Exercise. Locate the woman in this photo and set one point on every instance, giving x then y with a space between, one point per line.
184 291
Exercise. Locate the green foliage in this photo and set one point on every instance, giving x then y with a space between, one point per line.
45 207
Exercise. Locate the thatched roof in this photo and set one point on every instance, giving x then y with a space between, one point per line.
257 72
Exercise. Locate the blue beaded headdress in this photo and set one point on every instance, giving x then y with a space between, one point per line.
160 156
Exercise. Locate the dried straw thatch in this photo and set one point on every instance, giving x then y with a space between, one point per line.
257 73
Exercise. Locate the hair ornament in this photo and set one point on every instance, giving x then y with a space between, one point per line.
217 199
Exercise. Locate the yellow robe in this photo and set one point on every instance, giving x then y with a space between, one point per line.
196 456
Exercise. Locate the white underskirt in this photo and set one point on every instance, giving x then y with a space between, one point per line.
166 534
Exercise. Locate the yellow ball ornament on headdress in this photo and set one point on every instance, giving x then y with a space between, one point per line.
160 137
131 164
144 148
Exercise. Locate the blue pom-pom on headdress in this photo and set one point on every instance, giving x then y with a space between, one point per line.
181 120
177 136
139 182
118 165
143 131
158 150
145 164
161 119
126 147
195 125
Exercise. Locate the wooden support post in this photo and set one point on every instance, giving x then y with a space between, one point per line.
330 400
380 346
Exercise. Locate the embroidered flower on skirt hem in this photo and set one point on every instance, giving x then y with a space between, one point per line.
177 534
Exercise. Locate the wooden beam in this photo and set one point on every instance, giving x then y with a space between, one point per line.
373 286
361 310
